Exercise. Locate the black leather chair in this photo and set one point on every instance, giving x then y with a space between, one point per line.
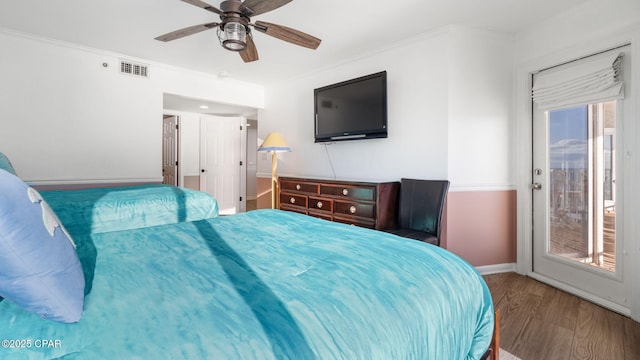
420 209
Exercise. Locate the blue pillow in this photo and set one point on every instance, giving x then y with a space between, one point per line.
5 164
40 270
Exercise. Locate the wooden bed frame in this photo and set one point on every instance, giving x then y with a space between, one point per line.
494 348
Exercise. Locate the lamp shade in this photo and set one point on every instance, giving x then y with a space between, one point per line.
274 142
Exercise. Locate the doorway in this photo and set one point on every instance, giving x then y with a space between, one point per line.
578 197
252 164
189 111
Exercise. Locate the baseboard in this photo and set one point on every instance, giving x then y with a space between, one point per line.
626 311
496 269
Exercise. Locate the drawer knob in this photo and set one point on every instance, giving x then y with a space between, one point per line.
292 200
319 205
345 192
298 187
352 209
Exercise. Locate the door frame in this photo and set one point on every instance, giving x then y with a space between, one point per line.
523 163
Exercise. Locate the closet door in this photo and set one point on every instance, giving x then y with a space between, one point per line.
221 160
170 150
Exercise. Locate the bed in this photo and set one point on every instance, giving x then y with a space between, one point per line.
105 209
266 284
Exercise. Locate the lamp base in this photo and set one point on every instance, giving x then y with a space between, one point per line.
274 181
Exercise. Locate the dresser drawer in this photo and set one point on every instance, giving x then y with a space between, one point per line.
293 200
301 186
354 209
323 204
321 214
296 209
350 192
366 204
352 220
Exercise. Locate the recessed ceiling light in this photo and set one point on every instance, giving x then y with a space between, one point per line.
204 107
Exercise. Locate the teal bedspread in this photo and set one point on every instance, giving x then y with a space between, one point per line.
265 284
100 210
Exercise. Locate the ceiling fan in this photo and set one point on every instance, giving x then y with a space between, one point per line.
234 29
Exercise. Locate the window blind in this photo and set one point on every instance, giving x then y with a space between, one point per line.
595 79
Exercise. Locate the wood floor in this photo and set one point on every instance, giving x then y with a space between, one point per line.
541 322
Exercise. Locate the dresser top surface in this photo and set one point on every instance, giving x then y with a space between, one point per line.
334 181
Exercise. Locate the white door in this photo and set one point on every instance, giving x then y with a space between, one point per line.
578 201
221 161
170 150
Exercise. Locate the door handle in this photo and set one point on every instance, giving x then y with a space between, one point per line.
536 186
203 170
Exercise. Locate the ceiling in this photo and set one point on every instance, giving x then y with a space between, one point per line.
348 29
200 106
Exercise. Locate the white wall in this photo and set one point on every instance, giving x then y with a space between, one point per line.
436 86
481 130
189 144
67 118
589 23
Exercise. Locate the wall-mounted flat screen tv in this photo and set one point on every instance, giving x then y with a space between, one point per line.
352 110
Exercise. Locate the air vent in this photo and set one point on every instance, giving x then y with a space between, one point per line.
131 68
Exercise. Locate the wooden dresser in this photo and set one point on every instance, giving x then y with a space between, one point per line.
367 204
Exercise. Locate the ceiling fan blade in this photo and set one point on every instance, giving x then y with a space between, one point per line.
250 53
287 34
186 31
256 7
204 5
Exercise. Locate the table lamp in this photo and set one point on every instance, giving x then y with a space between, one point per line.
275 143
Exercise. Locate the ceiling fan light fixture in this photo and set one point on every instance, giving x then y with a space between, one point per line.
233 36
235 28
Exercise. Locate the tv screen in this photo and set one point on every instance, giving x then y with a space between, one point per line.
352 110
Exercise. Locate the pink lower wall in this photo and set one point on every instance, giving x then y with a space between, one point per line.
480 226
